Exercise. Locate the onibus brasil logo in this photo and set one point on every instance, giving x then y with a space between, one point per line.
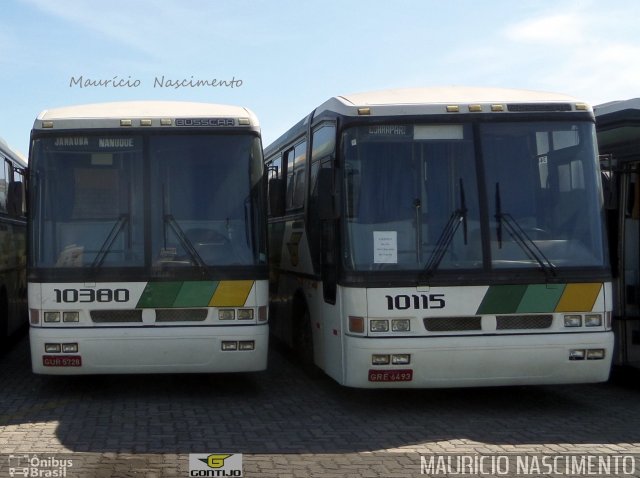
215 464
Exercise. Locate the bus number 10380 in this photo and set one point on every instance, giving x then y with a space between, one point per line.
69 296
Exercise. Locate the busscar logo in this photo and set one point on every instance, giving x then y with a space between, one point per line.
215 464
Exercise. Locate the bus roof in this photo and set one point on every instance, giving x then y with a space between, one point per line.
15 155
448 100
618 111
101 115
431 100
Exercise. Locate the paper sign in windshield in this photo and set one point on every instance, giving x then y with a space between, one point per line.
385 247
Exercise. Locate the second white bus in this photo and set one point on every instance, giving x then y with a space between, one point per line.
442 237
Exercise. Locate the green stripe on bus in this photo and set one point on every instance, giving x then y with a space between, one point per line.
502 299
196 294
540 298
159 295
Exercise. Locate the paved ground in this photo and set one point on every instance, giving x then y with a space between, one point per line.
289 424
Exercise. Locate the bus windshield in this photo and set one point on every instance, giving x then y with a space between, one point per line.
412 197
123 201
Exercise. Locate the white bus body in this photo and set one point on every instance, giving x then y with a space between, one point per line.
618 139
148 251
443 237
13 243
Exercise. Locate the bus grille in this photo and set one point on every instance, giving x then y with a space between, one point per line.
180 315
448 324
510 322
106 316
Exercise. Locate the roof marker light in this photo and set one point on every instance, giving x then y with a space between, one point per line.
166 122
582 106
475 108
145 122
126 122
453 109
244 121
47 124
497 107
364 111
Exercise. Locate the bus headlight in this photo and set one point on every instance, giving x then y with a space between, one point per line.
52 348
246 345
245 314
576 354
400 325
401 359
572 320
380 359
226 314
377 325
595 354
229 345
593 320
71 316
52 316
69 348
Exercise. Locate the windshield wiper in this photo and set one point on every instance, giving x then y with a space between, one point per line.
108 242
459 216
184 241
520 237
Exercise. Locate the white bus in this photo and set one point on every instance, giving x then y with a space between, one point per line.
618 126
147 240
13 243
442 237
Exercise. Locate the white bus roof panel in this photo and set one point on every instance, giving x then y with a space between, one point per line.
430 100
102 114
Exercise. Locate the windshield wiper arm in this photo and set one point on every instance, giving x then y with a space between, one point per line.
108 242
459 216
520 237
184 240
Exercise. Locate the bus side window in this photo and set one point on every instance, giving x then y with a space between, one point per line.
4 184
276 185
322 152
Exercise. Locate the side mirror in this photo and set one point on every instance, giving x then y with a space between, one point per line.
276 197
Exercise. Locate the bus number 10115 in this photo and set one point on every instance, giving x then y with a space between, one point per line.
69 296
422 301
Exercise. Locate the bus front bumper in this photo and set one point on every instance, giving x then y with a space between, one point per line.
478 361
117 350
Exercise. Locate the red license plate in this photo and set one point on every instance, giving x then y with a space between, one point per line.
391 375
62 361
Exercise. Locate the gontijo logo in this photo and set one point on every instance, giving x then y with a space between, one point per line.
215 464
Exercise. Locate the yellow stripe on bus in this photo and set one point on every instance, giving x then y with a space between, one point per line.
231 293
579 297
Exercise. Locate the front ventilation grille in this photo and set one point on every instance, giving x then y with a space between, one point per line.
451 324
181 315
515 322
116 316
